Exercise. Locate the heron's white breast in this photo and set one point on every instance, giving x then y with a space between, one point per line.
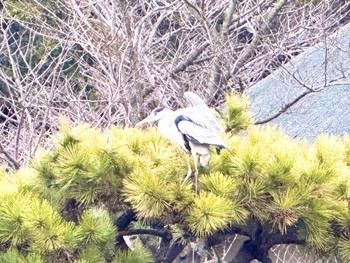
168 129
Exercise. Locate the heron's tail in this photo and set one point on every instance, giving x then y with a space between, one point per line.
218 148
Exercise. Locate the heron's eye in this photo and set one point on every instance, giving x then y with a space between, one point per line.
157 110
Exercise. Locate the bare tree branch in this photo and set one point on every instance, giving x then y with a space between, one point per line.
284 108
111 63
11 160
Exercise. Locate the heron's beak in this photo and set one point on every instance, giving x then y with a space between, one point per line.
145 120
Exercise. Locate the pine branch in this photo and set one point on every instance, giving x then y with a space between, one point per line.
289 238
243 230
152 232
165 236
122 222
175 249
259 245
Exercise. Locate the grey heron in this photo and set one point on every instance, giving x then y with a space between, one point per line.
193 129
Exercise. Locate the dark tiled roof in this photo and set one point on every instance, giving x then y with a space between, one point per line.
324 67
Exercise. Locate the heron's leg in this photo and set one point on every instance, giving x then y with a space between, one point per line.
189 170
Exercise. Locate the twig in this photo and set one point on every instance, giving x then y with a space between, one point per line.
285 107
194 8
252 46
10 159
190 60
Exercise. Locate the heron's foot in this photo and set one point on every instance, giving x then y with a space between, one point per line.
189 173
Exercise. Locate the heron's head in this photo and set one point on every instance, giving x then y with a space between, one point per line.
156 114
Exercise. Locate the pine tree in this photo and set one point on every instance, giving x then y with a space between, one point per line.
117 195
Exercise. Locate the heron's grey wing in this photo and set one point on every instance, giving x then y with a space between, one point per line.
195 100
197 133
200 108
201 117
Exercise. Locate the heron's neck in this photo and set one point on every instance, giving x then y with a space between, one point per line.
165 123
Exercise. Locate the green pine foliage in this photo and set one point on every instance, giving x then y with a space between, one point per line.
61 207
137 255
86 165
96 228
210 212
30 223
344 248
90 254
235 114
14 256
287 182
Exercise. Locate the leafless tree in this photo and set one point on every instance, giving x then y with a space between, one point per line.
109 62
